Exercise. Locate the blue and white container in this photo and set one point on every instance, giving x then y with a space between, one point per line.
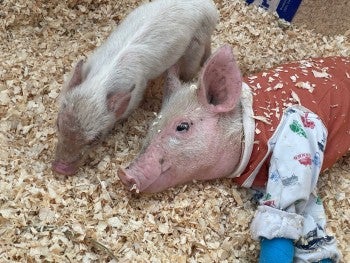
285 9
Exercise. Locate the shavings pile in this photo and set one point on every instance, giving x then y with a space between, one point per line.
90 217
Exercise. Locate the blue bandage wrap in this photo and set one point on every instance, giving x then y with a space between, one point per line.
326 260
276 250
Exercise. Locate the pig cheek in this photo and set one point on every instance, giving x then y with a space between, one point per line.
199 157
185 156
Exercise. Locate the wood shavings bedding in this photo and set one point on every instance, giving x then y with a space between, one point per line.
90 217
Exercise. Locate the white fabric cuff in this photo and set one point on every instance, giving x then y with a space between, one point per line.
270 223
324 250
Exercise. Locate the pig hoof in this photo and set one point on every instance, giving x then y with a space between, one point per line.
62 168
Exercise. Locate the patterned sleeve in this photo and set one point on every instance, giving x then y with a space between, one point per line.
290 207
297 150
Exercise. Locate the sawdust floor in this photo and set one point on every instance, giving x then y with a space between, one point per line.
90 217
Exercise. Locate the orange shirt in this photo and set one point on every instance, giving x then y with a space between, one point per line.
321 85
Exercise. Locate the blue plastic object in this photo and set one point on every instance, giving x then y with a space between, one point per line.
277 250
285 9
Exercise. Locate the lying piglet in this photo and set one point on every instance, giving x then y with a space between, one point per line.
111 83
266 131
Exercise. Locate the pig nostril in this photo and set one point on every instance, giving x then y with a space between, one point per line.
161 161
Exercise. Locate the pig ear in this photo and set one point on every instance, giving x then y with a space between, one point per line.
118 102
77 76
172 81
220 81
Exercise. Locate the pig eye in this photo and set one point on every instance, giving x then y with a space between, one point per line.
183 126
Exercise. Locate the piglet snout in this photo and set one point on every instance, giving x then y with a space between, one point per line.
63 168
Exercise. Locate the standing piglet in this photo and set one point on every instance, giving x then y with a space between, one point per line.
111 83
267 131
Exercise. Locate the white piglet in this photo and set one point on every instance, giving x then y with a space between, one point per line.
111 83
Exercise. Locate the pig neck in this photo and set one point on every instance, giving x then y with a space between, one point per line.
248 125
122 74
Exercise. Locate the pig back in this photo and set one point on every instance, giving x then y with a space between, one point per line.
155 35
